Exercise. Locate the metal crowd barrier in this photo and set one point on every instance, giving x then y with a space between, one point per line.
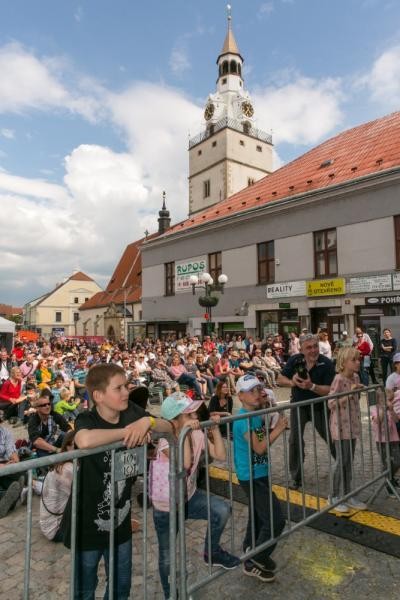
366 474
124 464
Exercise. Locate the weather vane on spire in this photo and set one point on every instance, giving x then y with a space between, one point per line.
229 11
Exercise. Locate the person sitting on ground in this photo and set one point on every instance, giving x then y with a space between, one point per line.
191 368
272 364
205 372
178 371
379 429
224 372
56 490
262 368
235 364
44 375
181 411
12 401
67 405
161 377
46 429
10 485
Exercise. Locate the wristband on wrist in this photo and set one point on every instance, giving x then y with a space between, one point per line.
312 388
152 422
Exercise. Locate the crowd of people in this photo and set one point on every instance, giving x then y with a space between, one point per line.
68 393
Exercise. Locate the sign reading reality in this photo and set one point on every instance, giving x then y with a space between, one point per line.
286 289
184 269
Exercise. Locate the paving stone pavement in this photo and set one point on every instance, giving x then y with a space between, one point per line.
312 565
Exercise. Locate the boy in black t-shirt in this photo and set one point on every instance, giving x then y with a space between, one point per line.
111 419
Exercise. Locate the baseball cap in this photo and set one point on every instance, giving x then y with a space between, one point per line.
178 403
396 357
246 383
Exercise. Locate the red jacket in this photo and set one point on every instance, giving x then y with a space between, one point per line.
10 392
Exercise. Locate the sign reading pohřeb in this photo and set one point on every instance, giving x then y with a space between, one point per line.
326 287
184 269
286 289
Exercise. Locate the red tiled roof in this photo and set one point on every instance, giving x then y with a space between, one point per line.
363 150
79 276
125 284
7 310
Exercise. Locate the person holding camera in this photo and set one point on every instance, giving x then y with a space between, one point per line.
310 375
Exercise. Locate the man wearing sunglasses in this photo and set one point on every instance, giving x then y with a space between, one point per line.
46 429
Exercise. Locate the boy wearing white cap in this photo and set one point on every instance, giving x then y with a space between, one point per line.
253 431
180 410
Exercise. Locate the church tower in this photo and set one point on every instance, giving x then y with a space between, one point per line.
230 153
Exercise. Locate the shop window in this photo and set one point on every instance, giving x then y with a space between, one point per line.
169 278
397 239
325 253
266 262
215 265
206 188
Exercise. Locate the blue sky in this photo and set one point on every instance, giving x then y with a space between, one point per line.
97 99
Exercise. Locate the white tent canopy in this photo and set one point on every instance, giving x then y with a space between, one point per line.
6 326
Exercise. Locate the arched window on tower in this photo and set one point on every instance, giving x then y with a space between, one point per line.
233 66
220 70
239 69
246 127
225 67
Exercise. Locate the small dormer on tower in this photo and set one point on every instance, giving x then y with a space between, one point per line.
231 153
164 219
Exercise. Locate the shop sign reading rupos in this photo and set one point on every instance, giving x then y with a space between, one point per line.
185 268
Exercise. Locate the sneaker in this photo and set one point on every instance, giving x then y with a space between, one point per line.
222 558
269 564
340 508
356 504
9 498
252 570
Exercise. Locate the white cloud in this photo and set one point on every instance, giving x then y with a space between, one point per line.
383 79
301 111
7 133
35 188
78 14
28 82
179 61
265 9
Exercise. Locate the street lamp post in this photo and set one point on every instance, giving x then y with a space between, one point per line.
206 283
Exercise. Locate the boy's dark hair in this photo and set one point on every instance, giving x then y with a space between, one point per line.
99 377
59 377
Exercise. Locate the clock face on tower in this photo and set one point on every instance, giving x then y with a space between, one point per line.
209 111
247 109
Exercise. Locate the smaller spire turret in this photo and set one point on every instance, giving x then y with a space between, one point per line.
164 219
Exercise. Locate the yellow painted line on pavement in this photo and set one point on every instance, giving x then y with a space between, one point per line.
366 517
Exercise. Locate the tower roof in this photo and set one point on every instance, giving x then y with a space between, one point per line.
230 46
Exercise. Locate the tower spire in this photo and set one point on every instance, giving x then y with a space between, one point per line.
164 220
230 46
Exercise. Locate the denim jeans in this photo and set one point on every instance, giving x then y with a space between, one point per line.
87 562
196 508
191 381
263 528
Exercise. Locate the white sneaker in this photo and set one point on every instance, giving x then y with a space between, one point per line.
356 504
340 508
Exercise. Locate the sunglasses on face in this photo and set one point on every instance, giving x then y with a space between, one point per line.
43 405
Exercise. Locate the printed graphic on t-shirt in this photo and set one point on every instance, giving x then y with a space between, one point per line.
103 520
260 459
